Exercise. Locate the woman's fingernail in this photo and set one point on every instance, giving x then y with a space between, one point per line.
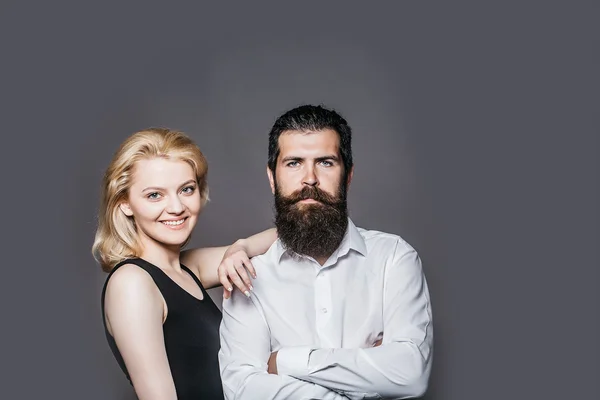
247 293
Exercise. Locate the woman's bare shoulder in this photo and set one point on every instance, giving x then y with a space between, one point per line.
130 280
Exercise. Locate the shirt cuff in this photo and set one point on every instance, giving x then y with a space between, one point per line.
293 361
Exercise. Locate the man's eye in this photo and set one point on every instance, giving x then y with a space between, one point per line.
293 164
327 163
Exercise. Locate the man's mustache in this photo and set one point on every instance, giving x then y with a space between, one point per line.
311 192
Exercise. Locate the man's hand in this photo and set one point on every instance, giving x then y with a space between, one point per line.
379 341
272 364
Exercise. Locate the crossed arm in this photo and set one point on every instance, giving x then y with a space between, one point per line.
398 368
245 348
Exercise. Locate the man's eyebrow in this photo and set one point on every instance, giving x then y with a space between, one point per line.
326 158
331 157
291 158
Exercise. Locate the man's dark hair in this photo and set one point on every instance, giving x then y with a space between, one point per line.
311 118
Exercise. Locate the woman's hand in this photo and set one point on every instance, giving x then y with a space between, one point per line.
235 269
229 265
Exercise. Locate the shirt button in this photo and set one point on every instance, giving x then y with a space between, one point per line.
324 310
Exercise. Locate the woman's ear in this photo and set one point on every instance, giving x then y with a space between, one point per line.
126 209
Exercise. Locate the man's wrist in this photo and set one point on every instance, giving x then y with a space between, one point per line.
293 361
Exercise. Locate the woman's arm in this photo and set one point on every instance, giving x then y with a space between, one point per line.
229 264
135 313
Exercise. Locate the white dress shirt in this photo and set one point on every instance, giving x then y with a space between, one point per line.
324 321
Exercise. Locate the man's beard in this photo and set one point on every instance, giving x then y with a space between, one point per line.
312 229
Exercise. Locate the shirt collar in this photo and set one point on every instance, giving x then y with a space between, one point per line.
352 240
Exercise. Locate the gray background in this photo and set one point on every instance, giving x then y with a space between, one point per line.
473 140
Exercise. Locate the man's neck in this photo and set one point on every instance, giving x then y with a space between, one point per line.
321 260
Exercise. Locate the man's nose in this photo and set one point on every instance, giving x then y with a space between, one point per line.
310 178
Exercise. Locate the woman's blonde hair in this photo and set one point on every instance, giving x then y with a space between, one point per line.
116 236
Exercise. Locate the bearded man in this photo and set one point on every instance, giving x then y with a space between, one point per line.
337 312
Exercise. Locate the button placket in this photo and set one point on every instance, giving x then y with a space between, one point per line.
323 306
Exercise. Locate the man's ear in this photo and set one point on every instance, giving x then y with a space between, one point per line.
349 179
126 209
271 179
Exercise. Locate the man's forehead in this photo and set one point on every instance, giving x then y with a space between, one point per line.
325 140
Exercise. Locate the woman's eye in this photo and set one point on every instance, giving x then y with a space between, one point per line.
188 189
153 196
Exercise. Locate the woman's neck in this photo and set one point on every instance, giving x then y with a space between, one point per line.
164 257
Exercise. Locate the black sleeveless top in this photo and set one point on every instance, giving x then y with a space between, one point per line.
191 333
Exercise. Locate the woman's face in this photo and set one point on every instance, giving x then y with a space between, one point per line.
164 201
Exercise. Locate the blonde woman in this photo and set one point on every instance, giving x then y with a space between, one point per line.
160 323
